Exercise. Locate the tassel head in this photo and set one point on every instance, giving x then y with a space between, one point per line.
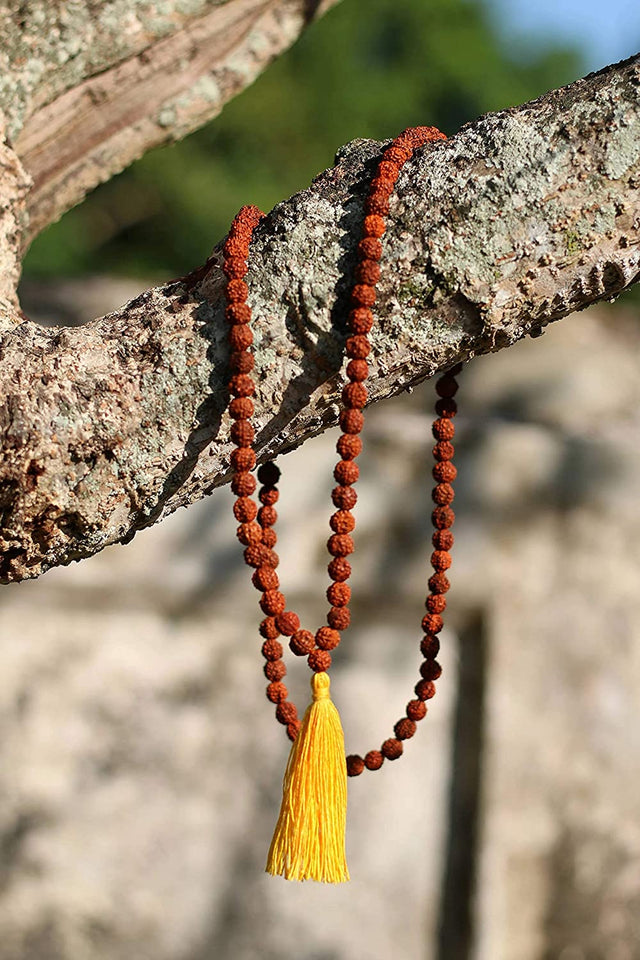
309 839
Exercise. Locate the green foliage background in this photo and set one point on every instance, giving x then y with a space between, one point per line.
369 68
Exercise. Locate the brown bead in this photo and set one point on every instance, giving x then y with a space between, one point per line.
319 660
267 516
339 618
241 361
272 649
244 510
363 295
430 669
241 408
235 268
268 473
302 643
240 336
432 623
373 226
446 407
272 602
429 647
443 494
339 569
389 168
438 583
373 760
241 385
354 395
352 421
444 472
368 272
442 518
357 370
339 594
425 689
398 154
268 496
416 710
275 670
259 555
327 638
340 545
237 291
446 386
277 692
346 472
349 446
293 729
405 729
264 578
243 484
269 537
360 320
249 533
242 433
288 622
443 429
342 521
243 459
233 247
286 712
442 539
370 248
377 205
355 765
443 450
344 497
238 313
391 749
358 347
436 603
381 186
440 560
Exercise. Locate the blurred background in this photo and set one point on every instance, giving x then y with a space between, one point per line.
141 766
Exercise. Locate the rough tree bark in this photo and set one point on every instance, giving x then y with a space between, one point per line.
522 218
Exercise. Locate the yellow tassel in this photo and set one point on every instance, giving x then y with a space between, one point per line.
308 843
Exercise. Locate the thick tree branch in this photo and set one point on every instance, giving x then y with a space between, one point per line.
89 87
520 219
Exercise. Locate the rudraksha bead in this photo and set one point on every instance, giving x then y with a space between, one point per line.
340 545
416 710
259 555
243 459
240 336
277 692
319 660
443 450
370 248
275 670
349 446
272 602
430 669
265 578
293 729
425 689
302 643
272 649
443 518
392 748
242 433
442 539
443 494
339 618
249 533
446 386
344 497
268 496
288 623
352 421
358 347
267 516
373 226
241 408
444 472
368 272
346 472
241 385
327 638
405 729
269 537
373 760
244 510
354 395
355 765
237 291
446 407
432 623
436 603
339 594
438 583
243 484
440 560
238 313
241 362
342 521
430 647
286 712
339 569
357 370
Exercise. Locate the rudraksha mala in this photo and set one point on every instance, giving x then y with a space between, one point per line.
257 525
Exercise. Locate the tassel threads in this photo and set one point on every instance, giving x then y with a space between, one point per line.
309 839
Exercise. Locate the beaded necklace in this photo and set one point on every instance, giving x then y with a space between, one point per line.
309 839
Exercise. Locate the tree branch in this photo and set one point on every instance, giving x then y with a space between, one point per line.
522 218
